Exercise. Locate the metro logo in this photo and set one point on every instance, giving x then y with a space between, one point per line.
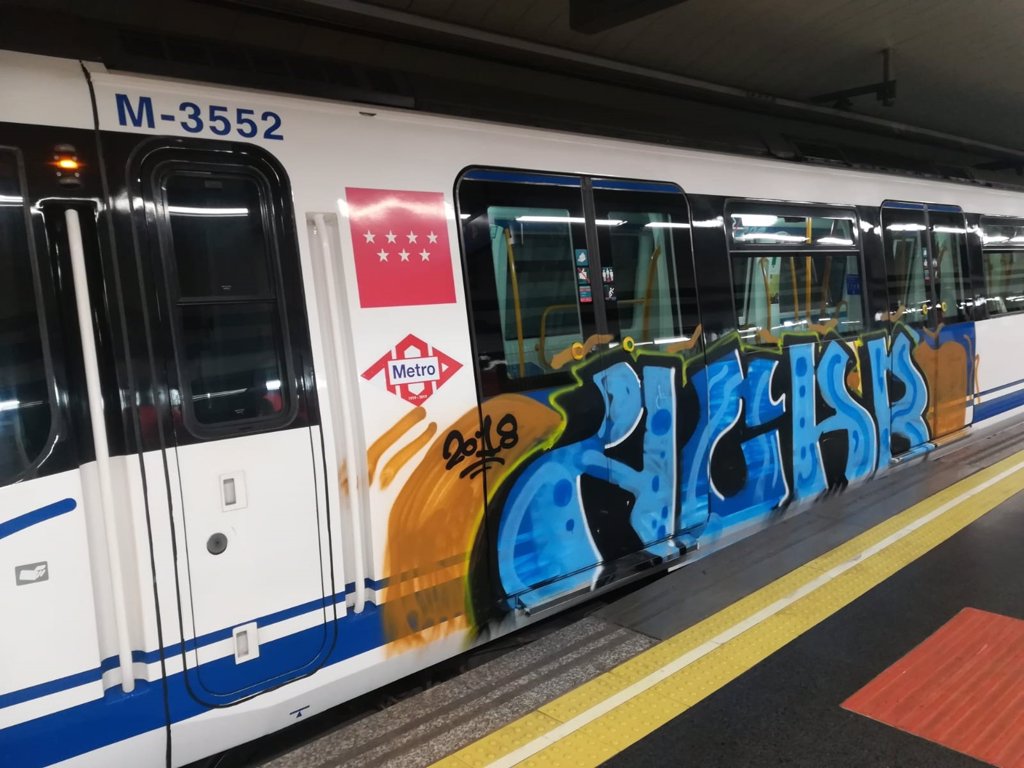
413 370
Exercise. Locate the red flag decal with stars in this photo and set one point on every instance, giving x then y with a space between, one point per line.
401 247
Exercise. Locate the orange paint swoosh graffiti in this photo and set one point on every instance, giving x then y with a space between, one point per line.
435 520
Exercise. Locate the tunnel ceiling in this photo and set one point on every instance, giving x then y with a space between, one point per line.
790 79
958 65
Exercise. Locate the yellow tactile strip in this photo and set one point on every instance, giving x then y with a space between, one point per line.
549 736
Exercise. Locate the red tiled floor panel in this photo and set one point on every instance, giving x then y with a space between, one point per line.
963 688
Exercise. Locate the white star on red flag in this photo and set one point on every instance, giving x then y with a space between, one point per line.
386 283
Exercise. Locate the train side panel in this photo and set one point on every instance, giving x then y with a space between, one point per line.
330 477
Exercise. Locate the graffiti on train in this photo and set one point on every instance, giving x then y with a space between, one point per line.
483 447
649 453
650 460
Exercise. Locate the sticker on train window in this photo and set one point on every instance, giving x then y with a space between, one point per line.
224 120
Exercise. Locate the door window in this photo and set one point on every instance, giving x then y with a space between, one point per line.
925 260
906 248
25 405
647 283
562 266
223 278
531 276
946 267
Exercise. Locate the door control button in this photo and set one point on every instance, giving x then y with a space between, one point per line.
217 543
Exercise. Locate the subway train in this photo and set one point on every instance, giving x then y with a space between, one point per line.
298 397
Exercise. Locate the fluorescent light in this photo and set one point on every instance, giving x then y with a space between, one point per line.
780 237
185 210
273 384
950 230
834 241
709 223
995 239
463 216
756 219
666 225
552 219
570 220
224 393
13 199
9 405
906 227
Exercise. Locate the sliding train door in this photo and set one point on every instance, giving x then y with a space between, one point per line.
56 590
243 464
926 264
658 476
584 314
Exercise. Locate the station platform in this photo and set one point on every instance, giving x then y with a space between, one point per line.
883 626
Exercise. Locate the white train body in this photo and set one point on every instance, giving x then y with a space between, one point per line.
221 572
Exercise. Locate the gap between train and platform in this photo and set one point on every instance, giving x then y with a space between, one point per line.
616 709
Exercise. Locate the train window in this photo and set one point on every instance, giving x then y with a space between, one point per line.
795 268
925 257
531 287
905 233
25 404
219 243
762 225
223 277
945 268
1003 264
646 279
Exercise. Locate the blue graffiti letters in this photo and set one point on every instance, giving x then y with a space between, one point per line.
656 453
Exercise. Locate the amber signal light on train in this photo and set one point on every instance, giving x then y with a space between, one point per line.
68 166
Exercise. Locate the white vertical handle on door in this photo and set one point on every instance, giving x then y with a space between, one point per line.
343 359
100 445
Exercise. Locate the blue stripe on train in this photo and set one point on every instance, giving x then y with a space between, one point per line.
21 522
118 716
151 657
989 408
51 686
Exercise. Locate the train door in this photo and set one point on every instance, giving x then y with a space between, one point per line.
926 261
650 303
242 452
572 280
69 541
531 294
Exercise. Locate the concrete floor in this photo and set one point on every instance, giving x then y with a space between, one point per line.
786 710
